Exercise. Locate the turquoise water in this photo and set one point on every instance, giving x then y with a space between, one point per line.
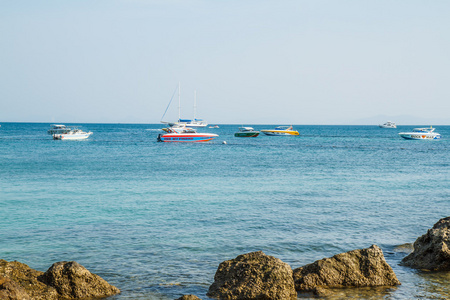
156 219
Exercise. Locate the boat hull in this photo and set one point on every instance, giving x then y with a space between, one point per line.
246 134
280 132
72 136
420 136
186 138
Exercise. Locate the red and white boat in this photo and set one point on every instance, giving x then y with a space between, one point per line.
184 134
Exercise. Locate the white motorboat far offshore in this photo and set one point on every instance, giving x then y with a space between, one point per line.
426 133
73 134
388 124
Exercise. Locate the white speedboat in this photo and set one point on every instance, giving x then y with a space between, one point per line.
426 133
280 130
388 124
74 134
57 129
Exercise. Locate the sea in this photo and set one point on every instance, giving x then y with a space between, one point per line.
156 219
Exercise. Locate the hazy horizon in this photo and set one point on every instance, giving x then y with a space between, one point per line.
251 62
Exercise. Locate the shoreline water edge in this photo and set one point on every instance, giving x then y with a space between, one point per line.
249 276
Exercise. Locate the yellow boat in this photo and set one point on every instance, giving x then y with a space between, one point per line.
280 130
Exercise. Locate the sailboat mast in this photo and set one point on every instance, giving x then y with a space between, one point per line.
179 101
195 104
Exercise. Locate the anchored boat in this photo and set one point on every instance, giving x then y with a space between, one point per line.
280 130
388 124
421 134
184 134
197 123
73 134
246 132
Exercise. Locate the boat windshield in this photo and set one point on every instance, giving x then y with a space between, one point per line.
283 128
430 129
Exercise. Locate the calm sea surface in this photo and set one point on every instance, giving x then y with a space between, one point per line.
156 219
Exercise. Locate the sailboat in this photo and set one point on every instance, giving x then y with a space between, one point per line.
185 122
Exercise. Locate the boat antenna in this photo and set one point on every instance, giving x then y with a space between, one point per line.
169 104
179 101
195 103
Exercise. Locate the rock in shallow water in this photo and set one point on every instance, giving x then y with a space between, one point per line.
72 280
357 268
188 297
27 279
253 275
432 250
68 280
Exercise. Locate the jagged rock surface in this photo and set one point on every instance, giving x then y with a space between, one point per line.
9 290
432 250
357 268
253 275
26 279
72 280
62 281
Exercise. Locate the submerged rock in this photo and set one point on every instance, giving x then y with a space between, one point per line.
253 275
62 281
72 280
188 297
405 248
357 268
432 250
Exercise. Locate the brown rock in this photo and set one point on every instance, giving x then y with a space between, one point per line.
26 278
432 250
357 268
9 290
72 280
253 275
188 297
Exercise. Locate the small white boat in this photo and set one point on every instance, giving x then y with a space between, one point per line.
388 124
280 130
57 129
426 133
74 134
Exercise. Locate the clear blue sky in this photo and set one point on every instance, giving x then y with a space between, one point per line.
251 62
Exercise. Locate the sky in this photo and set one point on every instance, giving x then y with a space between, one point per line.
250 62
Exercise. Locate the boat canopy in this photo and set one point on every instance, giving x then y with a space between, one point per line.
246 128
283 128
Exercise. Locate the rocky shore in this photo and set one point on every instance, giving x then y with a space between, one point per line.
249 276
63 280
